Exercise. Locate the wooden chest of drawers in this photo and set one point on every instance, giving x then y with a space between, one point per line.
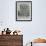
11 40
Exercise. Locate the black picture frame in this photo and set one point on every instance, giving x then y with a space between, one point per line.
23 10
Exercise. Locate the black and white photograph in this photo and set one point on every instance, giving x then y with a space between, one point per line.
23 10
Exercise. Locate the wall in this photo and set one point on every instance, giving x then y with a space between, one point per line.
39 18
31 30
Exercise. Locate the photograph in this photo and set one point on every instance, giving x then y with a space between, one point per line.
22 23
23 10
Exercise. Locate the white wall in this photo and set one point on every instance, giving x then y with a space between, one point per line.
39 18
31 30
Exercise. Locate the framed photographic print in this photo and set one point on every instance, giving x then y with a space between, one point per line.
23 10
